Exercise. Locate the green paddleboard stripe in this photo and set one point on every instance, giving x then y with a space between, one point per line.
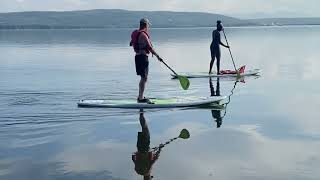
155 101
163 101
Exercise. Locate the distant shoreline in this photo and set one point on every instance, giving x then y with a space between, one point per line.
117 18
187 27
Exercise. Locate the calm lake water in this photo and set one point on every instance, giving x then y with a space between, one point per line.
270 128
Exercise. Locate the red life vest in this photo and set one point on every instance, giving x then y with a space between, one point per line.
135 38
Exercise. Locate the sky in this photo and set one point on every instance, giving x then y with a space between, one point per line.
236 8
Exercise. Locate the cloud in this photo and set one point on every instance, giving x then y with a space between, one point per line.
240 152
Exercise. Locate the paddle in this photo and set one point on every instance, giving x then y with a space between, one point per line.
238 73
184 81
184 134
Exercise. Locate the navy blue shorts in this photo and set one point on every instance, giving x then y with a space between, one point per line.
142 65
143 142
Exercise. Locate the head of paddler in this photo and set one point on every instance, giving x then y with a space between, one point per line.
219 26
144 24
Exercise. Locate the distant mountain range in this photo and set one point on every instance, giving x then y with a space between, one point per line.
115 18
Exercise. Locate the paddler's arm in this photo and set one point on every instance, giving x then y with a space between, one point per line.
156 156
226 46
150 48
221 43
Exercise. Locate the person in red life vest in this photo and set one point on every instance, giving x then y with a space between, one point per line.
144 158
140 40
215 47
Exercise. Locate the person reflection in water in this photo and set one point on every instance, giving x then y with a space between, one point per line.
144 158
216 114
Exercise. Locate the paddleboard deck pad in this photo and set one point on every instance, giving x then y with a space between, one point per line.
155 103
206 75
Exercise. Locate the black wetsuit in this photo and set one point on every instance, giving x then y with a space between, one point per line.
215 47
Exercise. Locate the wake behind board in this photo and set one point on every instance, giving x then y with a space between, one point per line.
205 74
156 103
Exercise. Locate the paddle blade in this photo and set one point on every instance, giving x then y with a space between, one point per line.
184 134
184 81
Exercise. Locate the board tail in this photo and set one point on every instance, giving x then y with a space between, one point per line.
240 70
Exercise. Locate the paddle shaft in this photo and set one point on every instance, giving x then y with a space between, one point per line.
169 68
162 145
184 82
234 65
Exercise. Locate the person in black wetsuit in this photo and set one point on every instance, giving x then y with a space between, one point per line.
215 47
217 113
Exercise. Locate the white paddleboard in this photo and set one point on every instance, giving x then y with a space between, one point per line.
205 74
156 103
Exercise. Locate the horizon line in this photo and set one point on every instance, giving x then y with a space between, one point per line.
58 11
